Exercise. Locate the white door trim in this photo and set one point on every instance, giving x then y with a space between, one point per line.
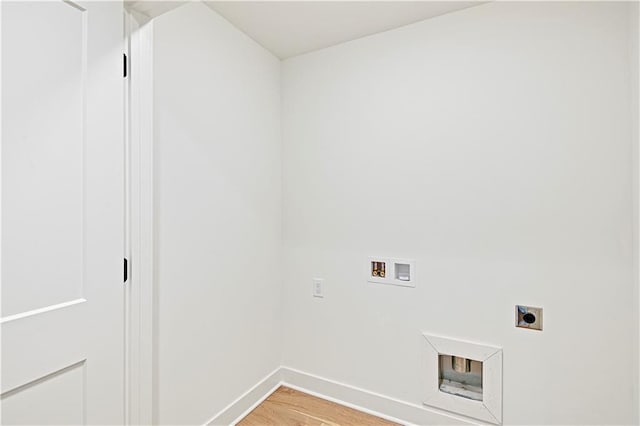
635 85
140 312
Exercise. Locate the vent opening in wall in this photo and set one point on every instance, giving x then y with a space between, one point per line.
460 376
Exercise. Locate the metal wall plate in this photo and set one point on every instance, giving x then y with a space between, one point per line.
528 317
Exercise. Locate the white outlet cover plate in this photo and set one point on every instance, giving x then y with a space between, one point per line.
490 408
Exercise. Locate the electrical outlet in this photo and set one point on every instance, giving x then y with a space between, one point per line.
528 317
318 284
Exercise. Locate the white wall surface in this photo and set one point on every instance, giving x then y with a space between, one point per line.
635 93
493 146
218 212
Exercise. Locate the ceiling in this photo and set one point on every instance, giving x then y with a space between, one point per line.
290 28
145 10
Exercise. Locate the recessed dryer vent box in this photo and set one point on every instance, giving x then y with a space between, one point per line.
463 378
387 270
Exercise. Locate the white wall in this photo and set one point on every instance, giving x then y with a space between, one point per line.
635 93
493 146
218 213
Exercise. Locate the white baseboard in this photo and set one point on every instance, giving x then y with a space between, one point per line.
350 396
246 402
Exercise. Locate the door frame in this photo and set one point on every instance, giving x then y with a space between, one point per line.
140 303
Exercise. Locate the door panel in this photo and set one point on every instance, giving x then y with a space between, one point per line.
62 213
59 399
45 117
30 345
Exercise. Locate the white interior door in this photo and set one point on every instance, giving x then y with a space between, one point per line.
62 293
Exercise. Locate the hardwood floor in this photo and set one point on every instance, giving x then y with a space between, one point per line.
287 407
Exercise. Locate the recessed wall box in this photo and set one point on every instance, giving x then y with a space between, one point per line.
463 377
529 317
387 270
378 269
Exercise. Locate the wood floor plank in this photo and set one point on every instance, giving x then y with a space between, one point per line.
287 406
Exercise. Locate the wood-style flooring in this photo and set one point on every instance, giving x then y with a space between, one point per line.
287 407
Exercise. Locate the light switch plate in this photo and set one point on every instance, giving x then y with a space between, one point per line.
318 290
